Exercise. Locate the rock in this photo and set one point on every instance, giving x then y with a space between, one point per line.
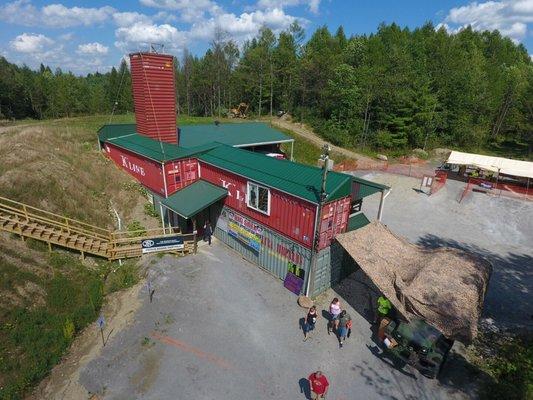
442 152
420 153
382 157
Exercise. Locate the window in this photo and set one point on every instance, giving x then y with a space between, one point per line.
258 198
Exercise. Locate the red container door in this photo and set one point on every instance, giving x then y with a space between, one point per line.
154 95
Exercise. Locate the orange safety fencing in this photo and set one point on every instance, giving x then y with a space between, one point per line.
497 189
407 166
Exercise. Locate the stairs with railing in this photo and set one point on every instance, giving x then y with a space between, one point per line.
55 229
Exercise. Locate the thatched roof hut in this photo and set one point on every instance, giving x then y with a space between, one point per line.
446 287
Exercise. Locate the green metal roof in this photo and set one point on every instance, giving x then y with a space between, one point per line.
301 180
357 221
233 134
367 188
155 150
194 198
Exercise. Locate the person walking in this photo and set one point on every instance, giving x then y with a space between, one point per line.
345 324
319 385
208 232
334 311
310 321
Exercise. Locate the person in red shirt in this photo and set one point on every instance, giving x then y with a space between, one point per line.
319 385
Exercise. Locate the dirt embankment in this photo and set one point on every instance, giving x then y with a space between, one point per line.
308 134
63 381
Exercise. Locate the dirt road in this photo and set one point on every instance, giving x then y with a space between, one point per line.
308 134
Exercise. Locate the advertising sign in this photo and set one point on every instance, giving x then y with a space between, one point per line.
293 283
162 244
245 231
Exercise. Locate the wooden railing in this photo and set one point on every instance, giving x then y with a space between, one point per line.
54 229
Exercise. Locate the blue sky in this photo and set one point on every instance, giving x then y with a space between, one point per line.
85 36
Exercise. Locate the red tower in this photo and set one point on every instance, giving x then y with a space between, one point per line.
154 95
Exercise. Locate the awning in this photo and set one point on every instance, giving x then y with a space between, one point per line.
445 287
194 198
363 188
503 165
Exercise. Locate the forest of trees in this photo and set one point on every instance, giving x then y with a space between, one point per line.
393 90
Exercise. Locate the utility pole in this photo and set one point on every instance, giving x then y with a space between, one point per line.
316 238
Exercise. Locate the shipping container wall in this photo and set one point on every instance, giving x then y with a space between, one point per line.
334 220
290 216
261 245
181 173
154 95
146 171
332 265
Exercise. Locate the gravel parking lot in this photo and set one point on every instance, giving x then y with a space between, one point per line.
220 327
497 228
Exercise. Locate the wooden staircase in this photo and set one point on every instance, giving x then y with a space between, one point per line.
54 229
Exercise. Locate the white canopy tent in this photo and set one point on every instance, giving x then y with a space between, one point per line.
495 164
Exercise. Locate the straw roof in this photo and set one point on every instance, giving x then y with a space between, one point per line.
446 287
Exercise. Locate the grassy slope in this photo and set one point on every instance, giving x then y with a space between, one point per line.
45 299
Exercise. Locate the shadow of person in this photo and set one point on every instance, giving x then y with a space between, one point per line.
305 388
301 323
390 360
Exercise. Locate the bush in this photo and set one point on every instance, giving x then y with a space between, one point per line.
136 229
124 276
36 245
150 210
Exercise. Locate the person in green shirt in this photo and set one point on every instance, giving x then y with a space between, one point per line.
384 307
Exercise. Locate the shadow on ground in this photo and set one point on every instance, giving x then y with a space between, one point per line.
508 299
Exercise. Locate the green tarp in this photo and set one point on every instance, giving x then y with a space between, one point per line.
194 198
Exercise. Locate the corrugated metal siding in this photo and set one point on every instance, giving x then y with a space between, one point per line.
181 173
146 171
333 264
290 216
334 220
274 252
154 95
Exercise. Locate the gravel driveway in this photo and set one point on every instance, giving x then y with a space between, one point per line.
222 328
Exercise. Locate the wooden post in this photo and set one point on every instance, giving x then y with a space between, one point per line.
68 228
25 212
49 247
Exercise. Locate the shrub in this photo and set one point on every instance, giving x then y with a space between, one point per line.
136 229
124 276
150 210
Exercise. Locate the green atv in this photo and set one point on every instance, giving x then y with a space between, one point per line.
419 345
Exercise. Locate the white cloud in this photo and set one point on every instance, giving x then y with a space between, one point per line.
138 35
312 5
31 43
244 26
510 17
23 12
94 48
130 18
189 10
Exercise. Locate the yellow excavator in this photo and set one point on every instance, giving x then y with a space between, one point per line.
239 111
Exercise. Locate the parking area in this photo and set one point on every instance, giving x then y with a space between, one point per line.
220 327
497 228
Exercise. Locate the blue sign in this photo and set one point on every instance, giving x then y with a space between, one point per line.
162 244
101 322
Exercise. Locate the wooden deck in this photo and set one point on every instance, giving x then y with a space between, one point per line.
31 222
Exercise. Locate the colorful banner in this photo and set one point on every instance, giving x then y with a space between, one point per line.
245 231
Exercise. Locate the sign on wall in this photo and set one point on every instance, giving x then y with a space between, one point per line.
245 231
293 283
162 244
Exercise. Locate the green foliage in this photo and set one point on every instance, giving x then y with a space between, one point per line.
511 368
136 229
150 210
33 338
36 244
122 277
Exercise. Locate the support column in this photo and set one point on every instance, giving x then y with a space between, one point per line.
382 203
162 218
195 233
292 150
